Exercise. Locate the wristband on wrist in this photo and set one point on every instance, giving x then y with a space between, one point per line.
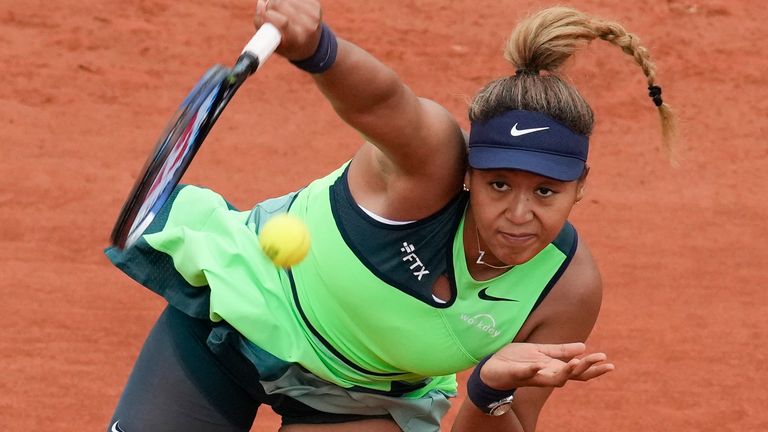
489 400
324 56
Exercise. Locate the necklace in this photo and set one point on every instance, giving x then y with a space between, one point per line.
481 254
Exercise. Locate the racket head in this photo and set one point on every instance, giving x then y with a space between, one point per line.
173 153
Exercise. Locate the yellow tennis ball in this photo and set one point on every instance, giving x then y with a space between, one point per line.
285 240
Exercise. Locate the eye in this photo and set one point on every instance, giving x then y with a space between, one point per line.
499 186
545 192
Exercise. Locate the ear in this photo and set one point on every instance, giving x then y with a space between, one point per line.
580 191
467 186
582 184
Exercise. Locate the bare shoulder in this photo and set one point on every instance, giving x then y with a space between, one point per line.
570 310
581 283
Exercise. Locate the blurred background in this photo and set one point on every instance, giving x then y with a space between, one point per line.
88 86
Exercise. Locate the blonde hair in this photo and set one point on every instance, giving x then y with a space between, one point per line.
543 42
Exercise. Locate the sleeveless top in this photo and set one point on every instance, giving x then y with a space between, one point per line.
358 311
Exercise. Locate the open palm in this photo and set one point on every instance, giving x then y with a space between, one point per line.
542 365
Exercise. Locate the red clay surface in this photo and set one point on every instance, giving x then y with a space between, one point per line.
88 85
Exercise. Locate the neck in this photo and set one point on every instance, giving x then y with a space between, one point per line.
481 262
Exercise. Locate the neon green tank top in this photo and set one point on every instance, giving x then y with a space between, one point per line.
379 332
330 313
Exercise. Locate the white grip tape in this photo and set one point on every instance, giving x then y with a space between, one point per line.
264 42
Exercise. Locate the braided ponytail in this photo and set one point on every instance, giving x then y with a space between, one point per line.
537 48
616 34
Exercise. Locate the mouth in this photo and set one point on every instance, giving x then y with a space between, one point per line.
517 239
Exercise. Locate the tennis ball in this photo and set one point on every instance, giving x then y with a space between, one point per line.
285 240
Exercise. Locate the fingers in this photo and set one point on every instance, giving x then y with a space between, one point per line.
557 373
309 8
502 374
526 372
302 13
298 22
268 11
592 371
542 365
261 9
588 361
563 352
590 366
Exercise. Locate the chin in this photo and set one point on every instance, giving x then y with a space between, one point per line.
520 257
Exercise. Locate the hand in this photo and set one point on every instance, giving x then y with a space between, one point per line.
542 365
298 22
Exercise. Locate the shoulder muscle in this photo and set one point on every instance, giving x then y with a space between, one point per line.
570 310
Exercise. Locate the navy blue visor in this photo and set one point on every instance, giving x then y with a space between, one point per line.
528 141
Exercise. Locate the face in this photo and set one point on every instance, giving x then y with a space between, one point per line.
518 213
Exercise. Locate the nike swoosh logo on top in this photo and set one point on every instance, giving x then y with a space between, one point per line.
483 294
116 428
515 132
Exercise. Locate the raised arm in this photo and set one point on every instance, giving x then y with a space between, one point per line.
414 147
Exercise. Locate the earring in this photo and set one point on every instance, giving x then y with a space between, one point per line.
465 188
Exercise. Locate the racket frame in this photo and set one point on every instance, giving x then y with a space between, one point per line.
209 97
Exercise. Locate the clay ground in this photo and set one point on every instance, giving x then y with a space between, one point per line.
88 85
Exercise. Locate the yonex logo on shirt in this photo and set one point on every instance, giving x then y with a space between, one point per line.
421 270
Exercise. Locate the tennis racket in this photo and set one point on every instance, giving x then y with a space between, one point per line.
184 134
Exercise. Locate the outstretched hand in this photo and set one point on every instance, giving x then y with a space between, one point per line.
542 365
299 24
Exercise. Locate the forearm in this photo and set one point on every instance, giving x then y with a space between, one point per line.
364 91
411 142
417 137
354 81
358 82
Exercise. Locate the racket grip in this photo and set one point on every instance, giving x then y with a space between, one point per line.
263 43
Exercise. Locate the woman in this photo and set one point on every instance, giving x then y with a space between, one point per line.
420 266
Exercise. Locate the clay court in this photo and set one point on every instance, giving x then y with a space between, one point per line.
88 86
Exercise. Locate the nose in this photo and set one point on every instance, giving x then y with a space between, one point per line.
519 210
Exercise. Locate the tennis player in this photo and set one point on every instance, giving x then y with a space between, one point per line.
427 259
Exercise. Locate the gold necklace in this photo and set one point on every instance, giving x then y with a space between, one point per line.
481 254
